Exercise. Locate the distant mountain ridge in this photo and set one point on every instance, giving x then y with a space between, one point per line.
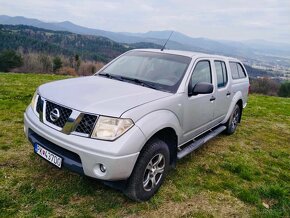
66 26
178 40
253 52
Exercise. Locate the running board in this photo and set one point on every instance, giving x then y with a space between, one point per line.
196 144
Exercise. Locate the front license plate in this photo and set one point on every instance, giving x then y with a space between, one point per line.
47 155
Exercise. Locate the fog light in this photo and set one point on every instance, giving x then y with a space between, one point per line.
102 168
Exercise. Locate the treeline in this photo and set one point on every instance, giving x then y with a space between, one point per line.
11 60
30 49
31 39
267 86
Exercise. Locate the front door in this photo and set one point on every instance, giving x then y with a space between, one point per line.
198 109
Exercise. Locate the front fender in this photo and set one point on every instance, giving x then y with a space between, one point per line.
158 120
237 96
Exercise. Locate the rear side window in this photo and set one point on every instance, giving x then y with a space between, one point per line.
241 70
221 72
201 73
237 70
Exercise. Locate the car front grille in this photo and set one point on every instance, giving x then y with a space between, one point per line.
83 127
87 124
63 112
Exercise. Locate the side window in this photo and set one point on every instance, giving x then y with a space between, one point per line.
201 73
241 70
234 70
221 72
237 70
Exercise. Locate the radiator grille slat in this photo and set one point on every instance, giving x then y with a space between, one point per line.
39 105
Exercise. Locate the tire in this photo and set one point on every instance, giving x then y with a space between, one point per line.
233 120
152 165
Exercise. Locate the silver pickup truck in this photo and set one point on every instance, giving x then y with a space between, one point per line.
130 122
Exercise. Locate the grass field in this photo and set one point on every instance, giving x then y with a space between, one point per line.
238 175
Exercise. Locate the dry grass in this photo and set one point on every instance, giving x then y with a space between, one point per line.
231 176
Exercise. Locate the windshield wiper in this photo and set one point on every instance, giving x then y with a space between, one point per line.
140 82
111 76
122 78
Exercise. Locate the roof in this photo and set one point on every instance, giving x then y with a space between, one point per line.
190 54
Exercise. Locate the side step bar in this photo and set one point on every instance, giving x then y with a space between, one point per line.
196 144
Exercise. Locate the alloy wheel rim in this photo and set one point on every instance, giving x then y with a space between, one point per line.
235 119
153 172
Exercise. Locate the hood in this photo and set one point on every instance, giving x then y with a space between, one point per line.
98 95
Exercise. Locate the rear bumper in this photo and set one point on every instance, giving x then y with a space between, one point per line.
84 155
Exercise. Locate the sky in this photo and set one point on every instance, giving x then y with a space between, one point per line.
215 19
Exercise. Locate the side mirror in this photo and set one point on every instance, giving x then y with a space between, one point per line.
202 88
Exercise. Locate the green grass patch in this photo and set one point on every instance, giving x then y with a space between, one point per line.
250 168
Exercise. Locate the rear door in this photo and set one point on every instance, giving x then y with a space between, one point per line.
223 92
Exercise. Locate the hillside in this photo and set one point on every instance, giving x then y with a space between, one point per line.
254 72
242 175
32 39
67 26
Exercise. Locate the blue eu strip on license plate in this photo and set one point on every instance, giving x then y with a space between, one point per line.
47 155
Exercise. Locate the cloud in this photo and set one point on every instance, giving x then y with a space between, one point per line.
223 19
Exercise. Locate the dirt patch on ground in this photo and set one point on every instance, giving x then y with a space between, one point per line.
205 204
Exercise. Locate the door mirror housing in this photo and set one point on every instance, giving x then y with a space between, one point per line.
201 88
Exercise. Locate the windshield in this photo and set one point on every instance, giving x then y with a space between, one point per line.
154 70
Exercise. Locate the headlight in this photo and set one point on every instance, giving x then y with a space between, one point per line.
33 101
109 128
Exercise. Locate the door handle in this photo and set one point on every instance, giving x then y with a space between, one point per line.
212 98
228 93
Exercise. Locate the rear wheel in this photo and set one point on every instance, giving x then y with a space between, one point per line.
149 171
233 120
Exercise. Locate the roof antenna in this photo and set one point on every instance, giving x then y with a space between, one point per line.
166 41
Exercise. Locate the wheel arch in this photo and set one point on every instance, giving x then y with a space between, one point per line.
168 130
240 104
237 100
168 135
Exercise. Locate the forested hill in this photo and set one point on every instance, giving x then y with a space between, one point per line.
32 39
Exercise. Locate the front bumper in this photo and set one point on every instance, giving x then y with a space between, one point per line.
119 156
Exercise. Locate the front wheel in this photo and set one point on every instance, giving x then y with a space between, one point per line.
233 120
149 171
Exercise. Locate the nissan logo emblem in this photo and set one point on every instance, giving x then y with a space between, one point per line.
54 115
